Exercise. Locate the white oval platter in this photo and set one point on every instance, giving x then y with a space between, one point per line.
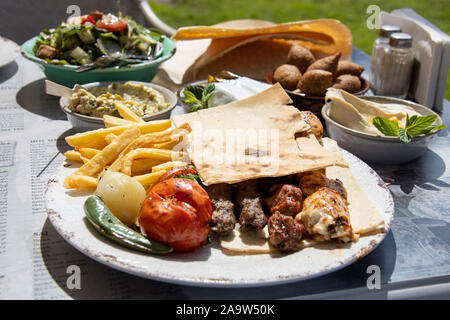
209 266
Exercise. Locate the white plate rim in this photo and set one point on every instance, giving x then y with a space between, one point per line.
115 262
15 52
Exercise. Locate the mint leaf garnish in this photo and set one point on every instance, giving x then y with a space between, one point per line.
415 126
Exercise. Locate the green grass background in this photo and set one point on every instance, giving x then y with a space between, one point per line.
352 13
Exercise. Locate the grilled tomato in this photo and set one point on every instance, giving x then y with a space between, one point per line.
176 212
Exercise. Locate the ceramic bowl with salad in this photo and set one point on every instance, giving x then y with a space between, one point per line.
99 47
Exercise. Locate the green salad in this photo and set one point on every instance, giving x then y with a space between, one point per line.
98 40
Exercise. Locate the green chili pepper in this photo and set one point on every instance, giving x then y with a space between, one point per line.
108 225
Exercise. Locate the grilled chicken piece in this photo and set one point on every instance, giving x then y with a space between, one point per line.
285 232
223 219
325 216
251 214
285 199
312 181
314 123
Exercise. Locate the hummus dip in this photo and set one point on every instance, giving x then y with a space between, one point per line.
357 114
99 101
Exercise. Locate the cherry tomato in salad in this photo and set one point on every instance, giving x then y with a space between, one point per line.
176 212
112 23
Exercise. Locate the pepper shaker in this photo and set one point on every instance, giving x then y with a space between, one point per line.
380 45
396 69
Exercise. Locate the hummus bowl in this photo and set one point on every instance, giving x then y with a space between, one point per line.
81 122
378 149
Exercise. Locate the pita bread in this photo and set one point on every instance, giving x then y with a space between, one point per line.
365 219
241 59
252 138
203 50
254 242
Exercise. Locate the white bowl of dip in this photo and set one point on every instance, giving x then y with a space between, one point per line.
82 122
380 149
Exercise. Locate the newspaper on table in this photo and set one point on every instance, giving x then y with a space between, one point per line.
37 263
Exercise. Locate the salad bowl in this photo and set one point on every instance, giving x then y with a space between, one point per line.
68 76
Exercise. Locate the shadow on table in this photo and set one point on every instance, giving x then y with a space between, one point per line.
201 254
8 71
32 97
101 282
423 172
62 144
97 280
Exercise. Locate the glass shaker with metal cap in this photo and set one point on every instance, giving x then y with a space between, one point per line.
380 45
396 69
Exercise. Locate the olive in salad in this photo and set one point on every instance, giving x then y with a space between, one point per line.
98 40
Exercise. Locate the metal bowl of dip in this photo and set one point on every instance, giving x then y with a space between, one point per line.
378 149
81 122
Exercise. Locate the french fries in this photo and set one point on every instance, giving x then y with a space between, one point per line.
142 166
142 150
149 153
88 153
126 112
149 179
73 156
166 166
147 140
106 156
96 138
111 121
80 182
110 137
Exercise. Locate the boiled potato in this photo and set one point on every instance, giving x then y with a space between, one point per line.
122 194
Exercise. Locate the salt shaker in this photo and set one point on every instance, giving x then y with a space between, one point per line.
380 46
396 66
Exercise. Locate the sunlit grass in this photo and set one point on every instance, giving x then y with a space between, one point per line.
352 13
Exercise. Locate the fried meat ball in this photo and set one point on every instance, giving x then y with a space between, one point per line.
287 75
348 67
300 57
285 232
348 82
315 82
329 64
285 199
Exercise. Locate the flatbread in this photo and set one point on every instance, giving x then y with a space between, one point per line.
320 33
241 59
364 217
252 138
254 242
204 50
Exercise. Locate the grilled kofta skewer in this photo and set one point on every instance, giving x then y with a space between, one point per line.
284 202
285 198
223 219
248 201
